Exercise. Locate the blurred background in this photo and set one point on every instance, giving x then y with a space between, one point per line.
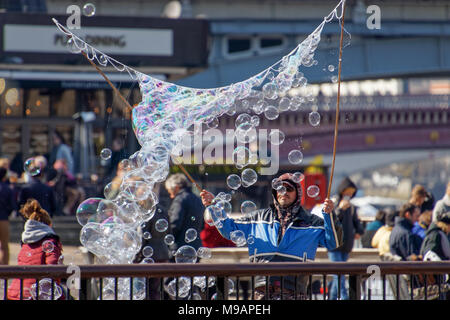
394 128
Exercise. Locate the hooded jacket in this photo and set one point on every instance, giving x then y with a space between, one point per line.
32 253
348 218
437 241
285 234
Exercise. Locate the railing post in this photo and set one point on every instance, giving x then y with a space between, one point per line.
354 282
222 288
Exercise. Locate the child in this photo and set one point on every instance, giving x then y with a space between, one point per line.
40 245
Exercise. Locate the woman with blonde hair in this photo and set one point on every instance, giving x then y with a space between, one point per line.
39 246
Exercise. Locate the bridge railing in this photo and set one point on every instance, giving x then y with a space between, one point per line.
160 281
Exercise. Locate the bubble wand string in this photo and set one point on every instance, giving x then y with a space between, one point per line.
337 101
130 108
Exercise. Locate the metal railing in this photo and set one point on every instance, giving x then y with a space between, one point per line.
160 281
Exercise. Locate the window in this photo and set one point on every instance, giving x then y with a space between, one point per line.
246 46
239 45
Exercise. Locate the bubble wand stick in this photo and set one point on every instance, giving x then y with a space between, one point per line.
130 108
337 101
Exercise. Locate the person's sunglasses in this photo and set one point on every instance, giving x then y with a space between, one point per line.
289 188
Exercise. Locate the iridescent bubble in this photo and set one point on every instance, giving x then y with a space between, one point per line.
248 207
276 183
241 155
250 239
238 237
334 79
89 10
271 113
284 104
105 154
234 181
270 90
32 166
45 290
225 206
186 254
204 253
48 246
276 137
330 68
71 45
298 177
259 106
281 190
295 156
313 191
147 251
248 177
147 235
169 239
190 235
161 225
314 118
147 260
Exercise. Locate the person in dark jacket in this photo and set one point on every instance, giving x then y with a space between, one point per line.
402 242
284 232
185 211
154 248
39 245
436 246
353 229
7 205
40 191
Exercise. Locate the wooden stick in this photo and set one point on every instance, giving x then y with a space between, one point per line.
337 102
131 108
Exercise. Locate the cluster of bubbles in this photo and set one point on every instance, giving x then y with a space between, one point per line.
166 115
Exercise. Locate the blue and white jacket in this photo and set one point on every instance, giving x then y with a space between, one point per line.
304 234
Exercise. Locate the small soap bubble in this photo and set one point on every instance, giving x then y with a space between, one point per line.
276 137
248 207
190 235
186 254
250 239
89 10
48 246
169 239
314 118
248 177
32 166
234 181
295 156
161 225
147 251
331 68
204 253
147 235
298 177
238 237
105 154
313 191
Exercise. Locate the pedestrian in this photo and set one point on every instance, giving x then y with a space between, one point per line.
442 205
7 205
284 232
185 212
61 151
39 246
154 249
372 228
421 225
435 246
418 195
352 228
381 237
37 189
403 242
